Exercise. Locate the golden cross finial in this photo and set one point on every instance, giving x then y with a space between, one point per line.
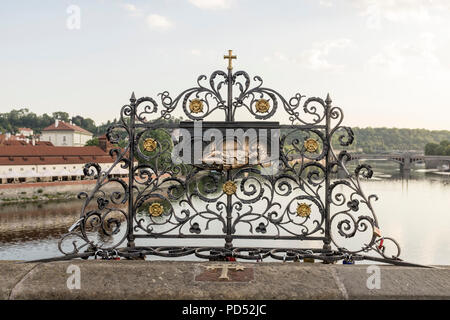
230 57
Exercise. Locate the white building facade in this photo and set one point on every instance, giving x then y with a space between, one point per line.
43 163
63 134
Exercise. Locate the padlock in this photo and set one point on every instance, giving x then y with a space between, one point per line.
381 243
308 260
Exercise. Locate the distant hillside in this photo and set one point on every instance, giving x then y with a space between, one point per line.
367 139
23 118
389 139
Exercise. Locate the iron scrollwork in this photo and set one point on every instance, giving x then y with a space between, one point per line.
161 199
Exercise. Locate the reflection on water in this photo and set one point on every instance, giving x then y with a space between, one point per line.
414 211
33 221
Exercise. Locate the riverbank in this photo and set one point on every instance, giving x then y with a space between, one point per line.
43 191
154 280
48 191
57 190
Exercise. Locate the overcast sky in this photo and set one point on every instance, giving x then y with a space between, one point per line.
385 62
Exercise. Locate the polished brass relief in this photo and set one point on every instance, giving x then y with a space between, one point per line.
229 187
303 210
149 145
262 106
156 209
196 106
311 145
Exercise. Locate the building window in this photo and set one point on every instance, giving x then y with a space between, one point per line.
64 138
50 139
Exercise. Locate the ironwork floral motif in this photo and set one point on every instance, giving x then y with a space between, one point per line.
149 145
196 106
303 210
156 209
262 106
311 145
229 187
297 201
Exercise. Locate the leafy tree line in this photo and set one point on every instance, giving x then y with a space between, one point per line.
438 149
24 118
368 139
372 140
15 119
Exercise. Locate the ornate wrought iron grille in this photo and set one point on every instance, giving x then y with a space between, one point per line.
161 199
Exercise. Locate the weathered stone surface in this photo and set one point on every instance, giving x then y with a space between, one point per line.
11 273
396 282
177 280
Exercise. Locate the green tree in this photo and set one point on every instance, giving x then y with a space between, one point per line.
431 149
435 149
92 142
64 116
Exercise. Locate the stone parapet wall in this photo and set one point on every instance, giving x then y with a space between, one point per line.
153 280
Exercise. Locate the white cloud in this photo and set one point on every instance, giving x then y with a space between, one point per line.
316 58
156 21
281 56
131 9
326 3
211 4
400 11
400 58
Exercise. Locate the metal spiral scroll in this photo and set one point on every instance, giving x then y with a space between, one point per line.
160 198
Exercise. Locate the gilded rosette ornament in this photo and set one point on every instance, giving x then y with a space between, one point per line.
311 145
303 210
149 145
196 106
156 209
229 187
262 106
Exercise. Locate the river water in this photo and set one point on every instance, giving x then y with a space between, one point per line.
414 210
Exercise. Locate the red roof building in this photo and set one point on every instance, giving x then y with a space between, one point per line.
43 162
43 154
26 132
64 126
65 134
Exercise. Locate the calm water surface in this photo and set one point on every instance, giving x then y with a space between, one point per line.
414 211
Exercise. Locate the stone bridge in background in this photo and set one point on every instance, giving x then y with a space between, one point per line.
406 160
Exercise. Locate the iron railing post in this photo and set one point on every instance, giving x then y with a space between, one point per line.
327 241
229 118
130 236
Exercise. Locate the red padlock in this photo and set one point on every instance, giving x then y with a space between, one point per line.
381 243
